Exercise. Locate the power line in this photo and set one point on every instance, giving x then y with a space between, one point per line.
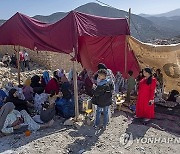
105 4
126 16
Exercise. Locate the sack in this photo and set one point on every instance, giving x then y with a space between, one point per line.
65 108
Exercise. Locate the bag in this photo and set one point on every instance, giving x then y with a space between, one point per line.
65 107
47 114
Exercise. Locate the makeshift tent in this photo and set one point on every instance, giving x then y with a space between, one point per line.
95 39
164 57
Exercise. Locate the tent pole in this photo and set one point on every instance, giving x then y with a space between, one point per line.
125 65
129 18
126 44
75 91
18 65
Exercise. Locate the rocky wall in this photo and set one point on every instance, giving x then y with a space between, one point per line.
49 60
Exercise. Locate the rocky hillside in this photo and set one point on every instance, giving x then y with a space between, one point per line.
141 28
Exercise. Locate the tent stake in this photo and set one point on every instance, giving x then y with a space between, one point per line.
75 91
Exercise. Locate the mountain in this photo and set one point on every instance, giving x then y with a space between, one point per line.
142 28
51 18
167 14
2 21
169 20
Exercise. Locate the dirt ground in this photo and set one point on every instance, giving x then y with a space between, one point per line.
123 135
62 139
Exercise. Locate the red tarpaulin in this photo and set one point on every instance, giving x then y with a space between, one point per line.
95 39
108 50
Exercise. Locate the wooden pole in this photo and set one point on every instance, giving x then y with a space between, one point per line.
75 91
129 18
18 65
126 44
125 61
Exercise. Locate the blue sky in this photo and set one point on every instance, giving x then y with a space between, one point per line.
47 7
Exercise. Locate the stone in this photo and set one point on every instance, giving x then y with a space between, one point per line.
69 122
78 125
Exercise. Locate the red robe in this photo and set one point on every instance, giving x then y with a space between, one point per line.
145 94
52 85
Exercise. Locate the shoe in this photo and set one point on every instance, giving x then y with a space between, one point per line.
104 128
146 120
95 127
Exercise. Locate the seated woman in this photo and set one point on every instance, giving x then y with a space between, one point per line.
48 108
28 90
35 84
35 81
19 103
53 84
6 59
65 105
173 95
45 79
12 120
39 99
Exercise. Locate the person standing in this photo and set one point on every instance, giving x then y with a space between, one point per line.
21 60
146 93
102 97
131 83
14 60
26 60
119 83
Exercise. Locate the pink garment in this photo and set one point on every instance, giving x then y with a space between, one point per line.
28 93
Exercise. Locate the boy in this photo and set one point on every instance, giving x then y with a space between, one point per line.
102 97
131 85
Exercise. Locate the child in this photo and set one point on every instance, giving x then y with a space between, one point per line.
102 97
131 85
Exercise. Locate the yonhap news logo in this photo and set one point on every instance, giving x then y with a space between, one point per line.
127 140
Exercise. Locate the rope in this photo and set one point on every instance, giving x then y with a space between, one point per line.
127 14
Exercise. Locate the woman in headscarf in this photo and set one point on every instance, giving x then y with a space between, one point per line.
36 85
60 73
53 84
146 93
35 81
4 111
119 82
19 104
28 90
45 78
12 120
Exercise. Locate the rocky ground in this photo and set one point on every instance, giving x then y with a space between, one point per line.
62 139
122 136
